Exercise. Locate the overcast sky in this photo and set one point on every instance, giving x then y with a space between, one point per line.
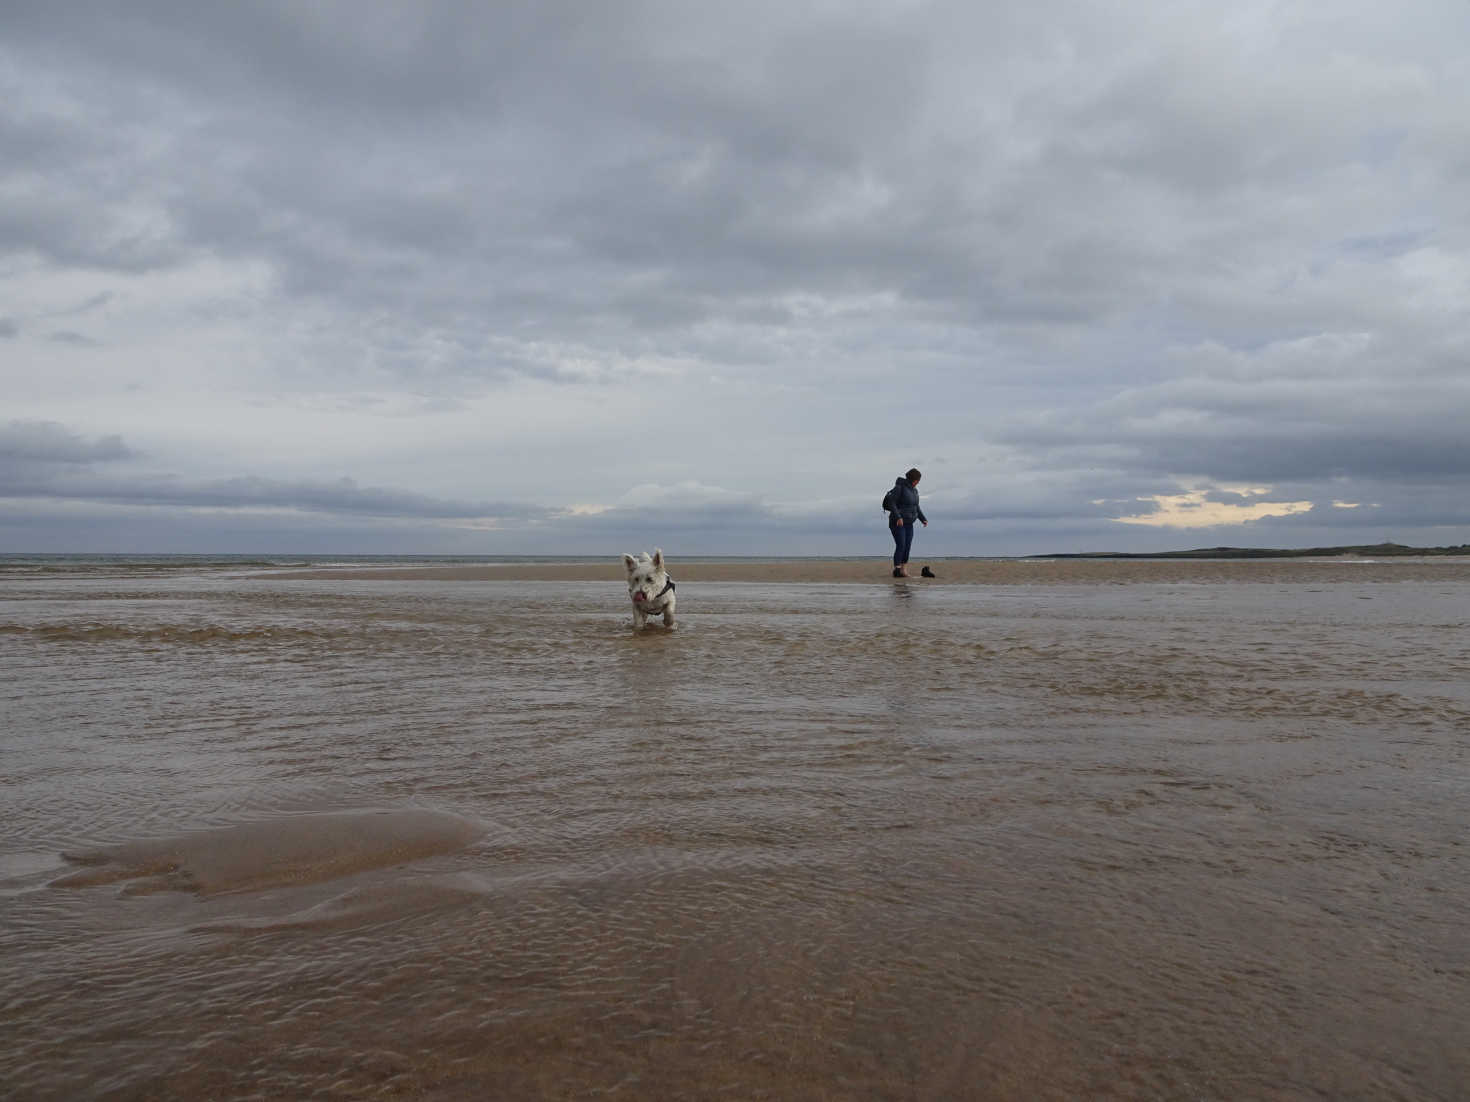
591 277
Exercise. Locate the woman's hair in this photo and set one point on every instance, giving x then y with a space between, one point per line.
913 475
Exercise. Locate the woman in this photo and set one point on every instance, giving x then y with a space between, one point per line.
902 512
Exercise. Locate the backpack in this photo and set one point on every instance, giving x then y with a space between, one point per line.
888 502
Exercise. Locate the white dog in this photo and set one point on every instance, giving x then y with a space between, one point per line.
650 587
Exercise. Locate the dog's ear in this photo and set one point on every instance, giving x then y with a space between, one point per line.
658 558
630 562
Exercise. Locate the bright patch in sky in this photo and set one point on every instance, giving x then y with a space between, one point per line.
1193 509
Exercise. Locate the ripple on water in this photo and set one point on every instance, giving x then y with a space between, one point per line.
484 841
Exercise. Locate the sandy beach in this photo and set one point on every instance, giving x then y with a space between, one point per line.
974 571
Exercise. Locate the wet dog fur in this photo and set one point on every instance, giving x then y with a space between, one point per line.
649 588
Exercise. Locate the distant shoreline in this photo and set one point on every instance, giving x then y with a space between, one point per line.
1373 550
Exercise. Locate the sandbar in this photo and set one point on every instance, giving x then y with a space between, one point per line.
299 849
948 571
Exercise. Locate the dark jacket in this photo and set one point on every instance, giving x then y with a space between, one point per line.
905 503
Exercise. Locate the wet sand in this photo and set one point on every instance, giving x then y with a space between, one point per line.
1032 830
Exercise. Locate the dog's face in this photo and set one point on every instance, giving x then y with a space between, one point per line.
646 576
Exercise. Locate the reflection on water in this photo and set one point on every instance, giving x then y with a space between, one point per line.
471 840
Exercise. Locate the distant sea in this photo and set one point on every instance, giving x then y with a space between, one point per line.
146 563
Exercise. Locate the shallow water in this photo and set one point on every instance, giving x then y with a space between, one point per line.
347 838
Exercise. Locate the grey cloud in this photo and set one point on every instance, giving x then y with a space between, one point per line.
50 443
1273 454
30 526
72 337
105 236
45 459
8 329
686 519
280 192
342 495
87 305
248 492
362 54
728 174
1344 414
1391 505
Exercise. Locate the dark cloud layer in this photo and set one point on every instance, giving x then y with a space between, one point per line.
38 442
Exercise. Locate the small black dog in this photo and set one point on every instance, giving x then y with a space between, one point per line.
927 573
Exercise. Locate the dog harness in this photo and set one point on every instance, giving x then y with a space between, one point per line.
666 589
